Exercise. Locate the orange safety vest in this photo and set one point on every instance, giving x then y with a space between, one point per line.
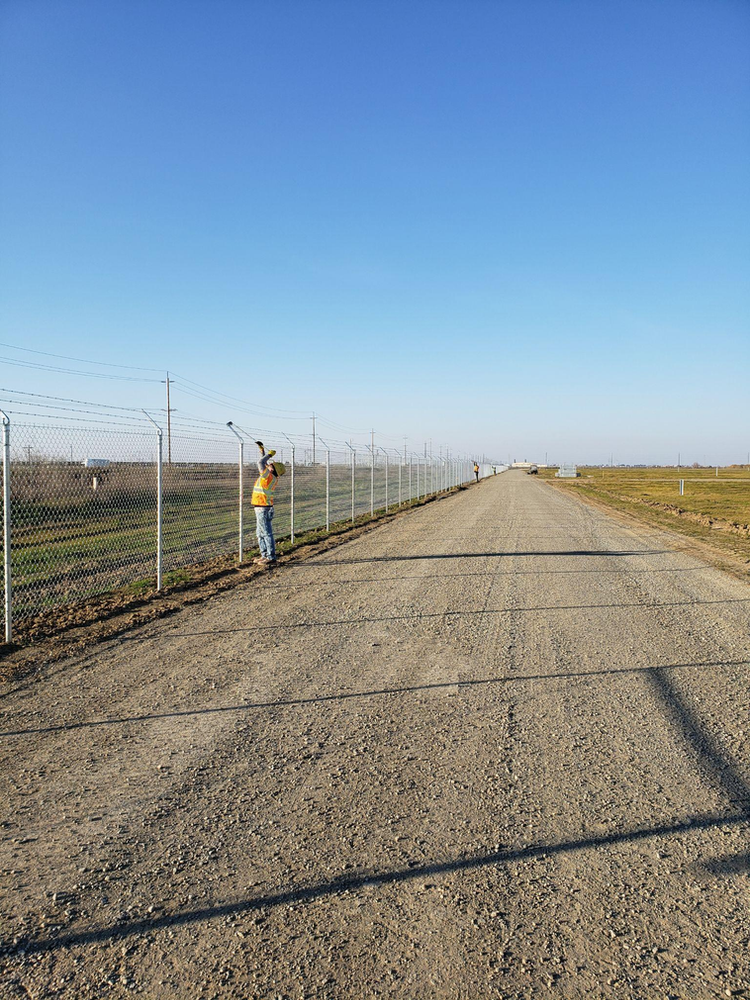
265 484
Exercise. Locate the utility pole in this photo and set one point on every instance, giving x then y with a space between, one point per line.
313 420
169 427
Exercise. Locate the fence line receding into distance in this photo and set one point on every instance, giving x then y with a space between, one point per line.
87 510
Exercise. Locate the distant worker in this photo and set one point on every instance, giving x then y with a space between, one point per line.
476 471
262 500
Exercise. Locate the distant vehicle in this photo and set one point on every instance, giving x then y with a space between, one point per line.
533 471
96 463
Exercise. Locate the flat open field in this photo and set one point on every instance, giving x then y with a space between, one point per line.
714 509
498 747
70 543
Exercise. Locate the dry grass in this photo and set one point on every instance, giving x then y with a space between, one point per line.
714 509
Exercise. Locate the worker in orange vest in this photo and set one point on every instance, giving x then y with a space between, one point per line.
476 470
262 500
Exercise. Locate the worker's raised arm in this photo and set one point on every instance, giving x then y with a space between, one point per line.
265 457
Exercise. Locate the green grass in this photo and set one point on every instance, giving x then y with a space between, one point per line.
715 509
69 543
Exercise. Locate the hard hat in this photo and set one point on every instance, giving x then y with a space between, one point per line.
272 452
280 468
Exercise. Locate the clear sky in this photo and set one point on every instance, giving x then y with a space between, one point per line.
510 227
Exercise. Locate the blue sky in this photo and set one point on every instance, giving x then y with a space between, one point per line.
510 227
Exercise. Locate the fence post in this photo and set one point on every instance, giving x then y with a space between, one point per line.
400 468
292 491
328 483
159 511
354 462
291 519
386 479
242 464
372 481
682 487
328 489
6 528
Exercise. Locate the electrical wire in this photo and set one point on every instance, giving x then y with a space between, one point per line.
71 371
65 399
85 361
268 409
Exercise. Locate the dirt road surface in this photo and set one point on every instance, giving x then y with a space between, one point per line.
499 747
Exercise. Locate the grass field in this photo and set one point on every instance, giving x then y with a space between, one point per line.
71 542
714 509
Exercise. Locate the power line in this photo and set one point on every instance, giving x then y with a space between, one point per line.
85 361
71 371
237 399
65 399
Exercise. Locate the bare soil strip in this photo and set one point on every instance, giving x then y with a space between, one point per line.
723 543
499 747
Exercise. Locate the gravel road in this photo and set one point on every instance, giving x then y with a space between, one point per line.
498 747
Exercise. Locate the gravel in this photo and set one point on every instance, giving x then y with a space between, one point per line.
499 747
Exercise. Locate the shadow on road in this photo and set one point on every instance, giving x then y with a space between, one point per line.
711 760
491 572
427 615
314 562
349 882
378 692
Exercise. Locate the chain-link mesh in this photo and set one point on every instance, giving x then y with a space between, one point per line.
84 502
200 500
83 513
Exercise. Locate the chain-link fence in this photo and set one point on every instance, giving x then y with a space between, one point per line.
93 509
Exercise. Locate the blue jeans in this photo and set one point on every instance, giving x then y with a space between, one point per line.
264 528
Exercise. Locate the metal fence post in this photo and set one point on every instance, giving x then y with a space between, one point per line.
372 480
159 510
6 528
328 490
328 483
400 468
386 479
291 519
354 462
242 464
291 525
